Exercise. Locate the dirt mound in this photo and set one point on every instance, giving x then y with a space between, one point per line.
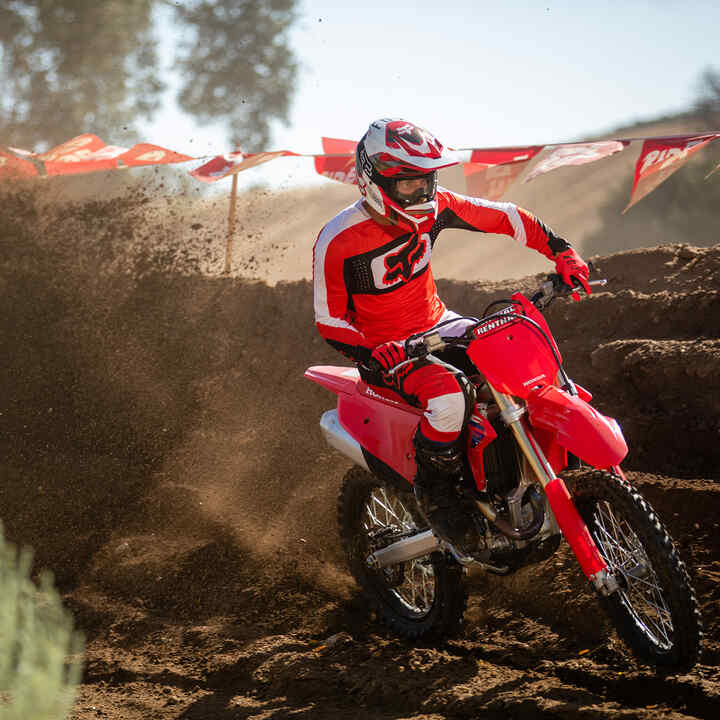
161 454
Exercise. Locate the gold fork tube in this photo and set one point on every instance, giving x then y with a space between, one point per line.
511 413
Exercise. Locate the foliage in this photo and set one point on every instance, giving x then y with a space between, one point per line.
36 639
231 72
73 66
708 100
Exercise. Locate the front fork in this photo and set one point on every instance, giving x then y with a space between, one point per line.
566 514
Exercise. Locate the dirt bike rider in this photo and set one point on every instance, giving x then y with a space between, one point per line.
374 287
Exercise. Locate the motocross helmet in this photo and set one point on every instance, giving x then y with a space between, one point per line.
397 164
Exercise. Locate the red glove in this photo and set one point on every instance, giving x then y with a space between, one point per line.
572 268
389 354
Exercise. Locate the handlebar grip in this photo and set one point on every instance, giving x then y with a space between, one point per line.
562 289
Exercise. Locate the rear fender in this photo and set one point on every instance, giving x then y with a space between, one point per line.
577 426
377 418
335 378
382 425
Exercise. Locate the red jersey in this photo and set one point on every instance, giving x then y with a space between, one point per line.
373 282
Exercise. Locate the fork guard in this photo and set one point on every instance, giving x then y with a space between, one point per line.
577 426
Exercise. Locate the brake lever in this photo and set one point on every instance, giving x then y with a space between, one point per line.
419 349
555 287
563 289
580 289
393 370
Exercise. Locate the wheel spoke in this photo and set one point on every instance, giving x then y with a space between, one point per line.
384 509
626 557
390 509
619 554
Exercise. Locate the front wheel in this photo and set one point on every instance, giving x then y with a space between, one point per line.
655 610
419 598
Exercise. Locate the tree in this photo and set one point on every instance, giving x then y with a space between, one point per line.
707 104
73 66
238 65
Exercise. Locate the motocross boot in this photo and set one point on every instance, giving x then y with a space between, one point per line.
438 473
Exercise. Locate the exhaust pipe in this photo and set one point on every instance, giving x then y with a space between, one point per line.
409 548
401 551
405 550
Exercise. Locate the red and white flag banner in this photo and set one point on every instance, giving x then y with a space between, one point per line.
576 154
147 154
338 162
75 150
87 153
488 171
222 166
491 172
504 156
660 158
83 154
14 164
491 182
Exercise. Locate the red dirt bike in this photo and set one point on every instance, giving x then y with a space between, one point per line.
530 423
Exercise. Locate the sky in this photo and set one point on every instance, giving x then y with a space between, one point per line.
476 73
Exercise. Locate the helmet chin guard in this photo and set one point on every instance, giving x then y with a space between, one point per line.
392 151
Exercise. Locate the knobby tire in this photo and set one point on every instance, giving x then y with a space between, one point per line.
443 616
678 642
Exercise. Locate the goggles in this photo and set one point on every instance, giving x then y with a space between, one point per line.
413 190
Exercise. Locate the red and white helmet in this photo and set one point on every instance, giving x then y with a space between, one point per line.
393 150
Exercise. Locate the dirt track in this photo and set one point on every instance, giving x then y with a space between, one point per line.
162 456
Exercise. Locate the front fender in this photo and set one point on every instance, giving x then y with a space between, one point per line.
577 426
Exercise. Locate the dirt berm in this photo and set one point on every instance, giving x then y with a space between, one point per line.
161 453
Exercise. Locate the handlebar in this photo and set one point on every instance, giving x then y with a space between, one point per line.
555 287
419 346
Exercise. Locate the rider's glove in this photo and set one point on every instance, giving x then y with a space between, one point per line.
389 354
572 268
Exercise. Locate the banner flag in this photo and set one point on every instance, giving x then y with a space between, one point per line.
82 154
504 156
660 158
72 150
491 172
491 182
147 154
13 164
338 162
576 154
222 166
88 153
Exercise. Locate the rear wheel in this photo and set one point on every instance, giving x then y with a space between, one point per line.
422 597
655 610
